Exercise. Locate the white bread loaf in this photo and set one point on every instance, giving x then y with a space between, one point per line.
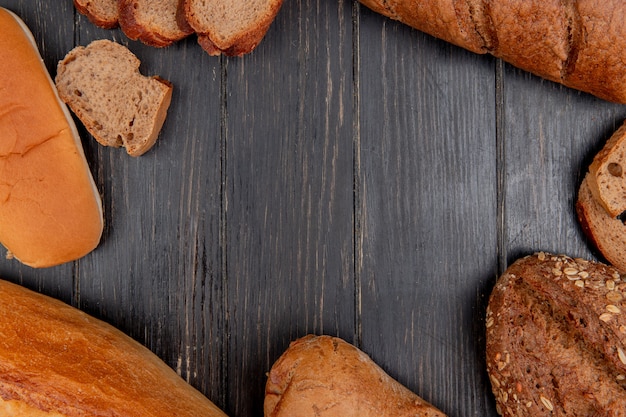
50 208
57 361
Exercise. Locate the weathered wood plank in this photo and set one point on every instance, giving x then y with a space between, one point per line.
428 203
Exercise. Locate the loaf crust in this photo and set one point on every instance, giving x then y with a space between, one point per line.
578 43
57 361
556 328
324 376
50 208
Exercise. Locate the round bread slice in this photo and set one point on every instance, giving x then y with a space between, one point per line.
102 13
117 104
323 376
556 328
606 233
155 23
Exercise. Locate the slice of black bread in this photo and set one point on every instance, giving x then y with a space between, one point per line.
556 328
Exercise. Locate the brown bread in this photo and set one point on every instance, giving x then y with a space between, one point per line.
556 328
119 106
102 13
607 234
230 27
323 376
155 23
578 43
57 361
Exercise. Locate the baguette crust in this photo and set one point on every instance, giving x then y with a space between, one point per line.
50 208
57 361
578 43
555 331
323 376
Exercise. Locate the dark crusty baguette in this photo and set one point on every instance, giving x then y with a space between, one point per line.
57 361
607 174
323 376
102 13
556 328
155 23
606 233
230 27
578 43
117 104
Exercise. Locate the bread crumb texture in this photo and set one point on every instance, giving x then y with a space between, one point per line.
117 104
556 334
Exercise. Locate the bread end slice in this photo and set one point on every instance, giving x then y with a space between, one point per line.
118 105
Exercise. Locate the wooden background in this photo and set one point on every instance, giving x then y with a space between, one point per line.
351 176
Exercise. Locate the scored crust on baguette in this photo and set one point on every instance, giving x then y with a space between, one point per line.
117 104
155 23
607 234
607 179
102 13
50 208
230 27
57 361
323 376
555 338
577 43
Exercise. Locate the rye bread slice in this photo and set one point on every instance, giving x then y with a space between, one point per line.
607 234
556 328
118 105
102 13
154 22
230 27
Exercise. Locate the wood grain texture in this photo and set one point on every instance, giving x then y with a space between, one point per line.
351 176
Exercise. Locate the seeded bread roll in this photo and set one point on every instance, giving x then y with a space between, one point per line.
607 174
556 328
155 23
578 43
117 104
607 234
102 13
323 376
50 208
57 361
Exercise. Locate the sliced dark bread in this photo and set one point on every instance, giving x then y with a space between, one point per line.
231 27
102 13
153 22
607 179
606 233
118 105
556 328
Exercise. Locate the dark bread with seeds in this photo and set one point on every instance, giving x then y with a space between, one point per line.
556 328
102 13
578 43
117 104
323 376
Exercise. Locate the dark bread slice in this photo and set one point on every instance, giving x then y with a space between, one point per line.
102 13
606 233
607 174
230 27
556 328
155 22
323 376
118 105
